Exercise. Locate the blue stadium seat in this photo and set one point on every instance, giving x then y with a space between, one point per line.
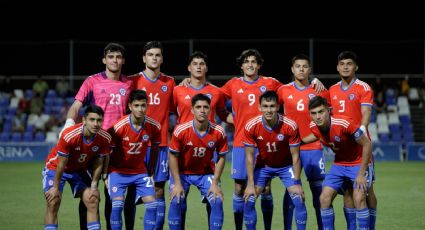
59 101
29 128
396 136
49 101
28 137
394 128
28 94
16 137
69 100
51 93
39 136
4 137
408 137
384 137
11 111
7 126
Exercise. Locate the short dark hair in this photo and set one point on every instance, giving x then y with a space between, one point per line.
114 47
301 57
151 45
347 55
200 97
269 96
93 109
198 54
137 94
316 102
248 53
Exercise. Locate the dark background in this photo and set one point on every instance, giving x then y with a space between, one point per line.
35 38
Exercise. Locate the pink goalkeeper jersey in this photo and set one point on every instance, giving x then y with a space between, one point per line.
110 95
160 99
245 97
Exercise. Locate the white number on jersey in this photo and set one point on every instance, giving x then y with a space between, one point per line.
115 99
300 105
199 152
134 148
82 157
269 147
154 99
342 104
251 99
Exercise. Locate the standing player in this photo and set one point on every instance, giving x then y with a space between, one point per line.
131 136
295 97
278 144
159 88
354 98
108 90
353 150
182 95
69 160
244 92
191 152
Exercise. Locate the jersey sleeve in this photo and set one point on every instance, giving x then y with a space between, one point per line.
85 91
63 147
367 98
294 137
354 129
172 106
156 138
227 89
175 144
276 84
105 149
223 146
248 137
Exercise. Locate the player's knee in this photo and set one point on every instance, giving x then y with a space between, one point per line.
54 204
159 190
239 187
325 200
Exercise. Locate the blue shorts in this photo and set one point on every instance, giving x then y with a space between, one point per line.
76 181
263 175
161 168
339 176
202 182
239 163
118 183
313 162
371 169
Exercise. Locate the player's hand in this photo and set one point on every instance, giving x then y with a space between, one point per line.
216 191
249 191
185 82
106 182
317 85
298 189
94 194
52 194
229 118
178 192
361 183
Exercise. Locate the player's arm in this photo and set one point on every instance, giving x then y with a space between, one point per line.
72 115
250 187
309 139
366 114
296 168
54 192
97 170
215 186
177 191
361 182
153 158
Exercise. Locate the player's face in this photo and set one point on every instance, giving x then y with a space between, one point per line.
201 110
114 61
138 108
250 67
301 70
92 123
347 68
153 58
198 68
320 115
269 109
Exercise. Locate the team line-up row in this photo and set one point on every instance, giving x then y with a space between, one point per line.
131 152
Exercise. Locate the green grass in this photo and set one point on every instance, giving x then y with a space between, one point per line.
400 190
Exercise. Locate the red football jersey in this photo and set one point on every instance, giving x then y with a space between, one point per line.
245 97
182 97
160 93
273 144
348 102
295 104
341 138
195 151
77 149
130 145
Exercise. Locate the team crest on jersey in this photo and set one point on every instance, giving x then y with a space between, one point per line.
208 95
351 97
122 91
145 137
311 95
95 148
280 137
337 139
263 89
211 144
164 88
